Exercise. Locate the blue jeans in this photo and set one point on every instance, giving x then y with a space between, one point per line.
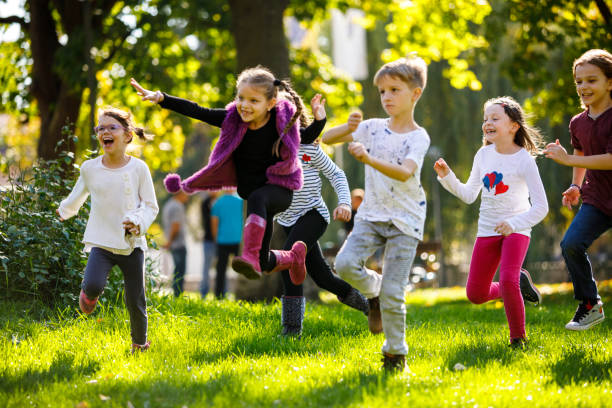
179 256
210 252
588 225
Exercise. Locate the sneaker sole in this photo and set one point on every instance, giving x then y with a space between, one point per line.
532 287
245 269
585 326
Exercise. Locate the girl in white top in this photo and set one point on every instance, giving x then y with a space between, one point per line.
506 175
123 206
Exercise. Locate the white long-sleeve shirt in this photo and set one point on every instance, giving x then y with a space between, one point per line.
117 195
508 182
313 160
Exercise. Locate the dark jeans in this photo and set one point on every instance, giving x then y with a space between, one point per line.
99 264
223 253
588 225
309 228
267 201
179 256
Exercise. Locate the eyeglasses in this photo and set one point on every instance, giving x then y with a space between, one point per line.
110 128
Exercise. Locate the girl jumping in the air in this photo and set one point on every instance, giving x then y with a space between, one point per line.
257 153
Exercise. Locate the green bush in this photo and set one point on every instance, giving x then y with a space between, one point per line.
41 258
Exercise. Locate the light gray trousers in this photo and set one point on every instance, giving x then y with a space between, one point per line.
390 287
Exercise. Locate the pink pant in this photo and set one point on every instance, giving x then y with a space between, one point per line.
508 253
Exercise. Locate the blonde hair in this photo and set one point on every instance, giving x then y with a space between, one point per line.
125 118
600 58
262 78
412 70
526 136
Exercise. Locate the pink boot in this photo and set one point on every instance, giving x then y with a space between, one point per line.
294 261
247 264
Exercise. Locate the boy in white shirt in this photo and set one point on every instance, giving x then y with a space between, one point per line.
394 208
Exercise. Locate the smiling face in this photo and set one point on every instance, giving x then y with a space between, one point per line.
592 85
396 96
252 104
111 135
497 126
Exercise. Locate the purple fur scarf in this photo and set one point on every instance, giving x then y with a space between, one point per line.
221 171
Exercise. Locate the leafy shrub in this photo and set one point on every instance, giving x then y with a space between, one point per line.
41 258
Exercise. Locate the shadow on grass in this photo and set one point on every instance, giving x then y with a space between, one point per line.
479 355
234 390
62 368
578 366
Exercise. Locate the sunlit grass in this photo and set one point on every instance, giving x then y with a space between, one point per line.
223 353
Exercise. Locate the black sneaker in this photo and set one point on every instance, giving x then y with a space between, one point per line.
394 362
528 289
518 343
586 316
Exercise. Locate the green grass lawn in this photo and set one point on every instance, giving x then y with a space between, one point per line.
229 354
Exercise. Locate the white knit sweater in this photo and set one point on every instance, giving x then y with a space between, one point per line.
117 195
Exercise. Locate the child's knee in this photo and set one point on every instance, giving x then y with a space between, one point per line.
476 296
343 265
392 300
92 289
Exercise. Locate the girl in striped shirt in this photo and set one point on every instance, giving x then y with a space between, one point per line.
306 220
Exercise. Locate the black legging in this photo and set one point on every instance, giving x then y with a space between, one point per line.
267 201
309 228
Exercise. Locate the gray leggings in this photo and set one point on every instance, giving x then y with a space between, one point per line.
99 264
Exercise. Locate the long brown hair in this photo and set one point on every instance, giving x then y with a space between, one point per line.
125 118
526 136
262 78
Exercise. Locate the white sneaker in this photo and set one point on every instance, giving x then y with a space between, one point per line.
586 316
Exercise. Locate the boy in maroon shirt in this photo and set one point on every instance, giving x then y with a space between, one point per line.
591 133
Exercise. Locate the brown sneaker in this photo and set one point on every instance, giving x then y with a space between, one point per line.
374 317
394 362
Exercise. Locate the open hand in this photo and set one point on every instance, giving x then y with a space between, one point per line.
354 120
317 104
441 168
503 228
155 97
342 213
359 151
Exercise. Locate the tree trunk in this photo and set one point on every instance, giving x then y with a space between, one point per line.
58 102
257 26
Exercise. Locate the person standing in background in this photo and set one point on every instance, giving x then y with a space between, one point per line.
226 228
174 223
210 246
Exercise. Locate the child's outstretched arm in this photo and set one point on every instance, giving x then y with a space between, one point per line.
343 133
185 107
467 192
153 96
558 153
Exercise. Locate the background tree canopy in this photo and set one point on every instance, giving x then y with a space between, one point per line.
476 50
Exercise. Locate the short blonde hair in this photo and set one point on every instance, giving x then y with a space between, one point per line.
412 70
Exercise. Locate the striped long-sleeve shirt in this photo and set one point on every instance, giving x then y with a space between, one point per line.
314 160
